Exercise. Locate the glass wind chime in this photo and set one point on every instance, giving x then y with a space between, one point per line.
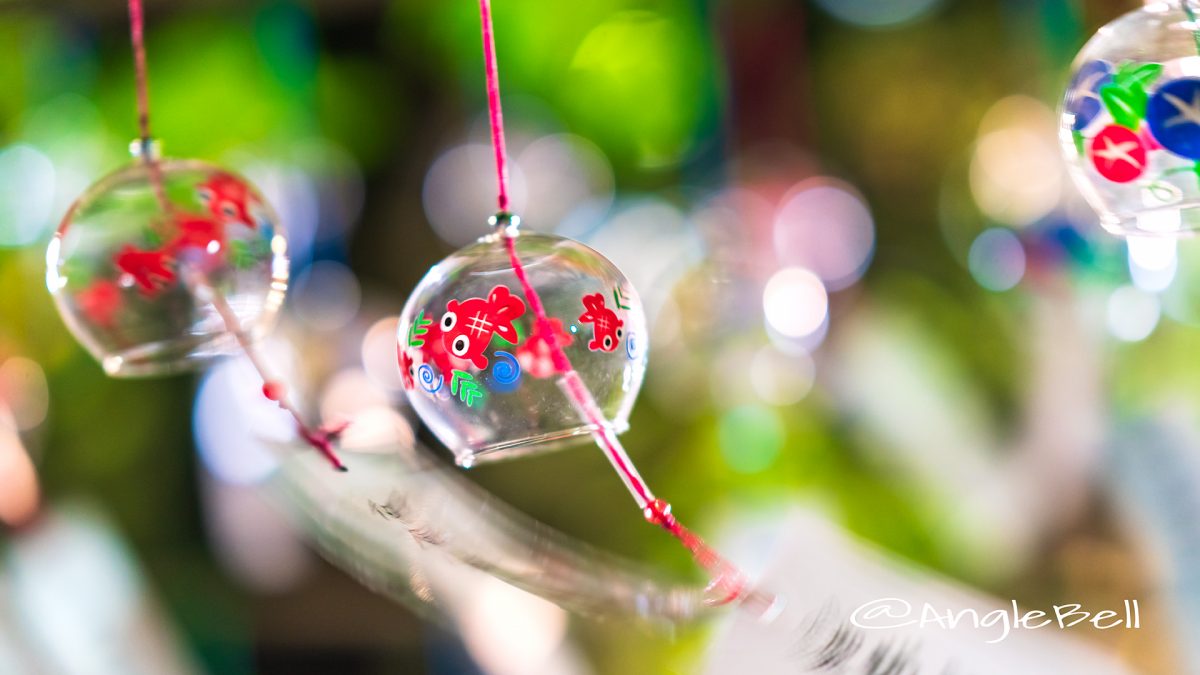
1130 122
521 342
164 265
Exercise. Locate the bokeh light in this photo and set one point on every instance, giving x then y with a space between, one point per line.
729 377
1180 300
1153 262
652 243
1132 314
734 222
349 392
326 296
68 128
997 259
252 538
824 226
24 390
795 302
336 179
20 496
378 428
294 196
509 631
750 438
648 67
460 192
564 171
27 185
1016 174
878 13
379 354
781 378
232 420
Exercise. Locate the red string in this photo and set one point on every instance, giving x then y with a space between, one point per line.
495 116
727 581
136 23
139 69
578 392
323 437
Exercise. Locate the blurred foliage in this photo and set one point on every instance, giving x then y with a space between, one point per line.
634 77
387 85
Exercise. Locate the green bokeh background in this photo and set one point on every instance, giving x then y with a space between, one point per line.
671 94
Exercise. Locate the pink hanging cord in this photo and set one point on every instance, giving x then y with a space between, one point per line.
321 438
728 583
495 114
139 67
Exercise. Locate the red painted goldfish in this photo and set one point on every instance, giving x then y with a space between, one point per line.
228 198
148 269
605 324
467 327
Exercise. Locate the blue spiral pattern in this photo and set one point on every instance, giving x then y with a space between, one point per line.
506 369
425 376
632 349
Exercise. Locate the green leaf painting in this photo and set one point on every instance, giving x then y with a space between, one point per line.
1125 97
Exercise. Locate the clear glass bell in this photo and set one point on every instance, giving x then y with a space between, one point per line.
142 258
1130 122
479 370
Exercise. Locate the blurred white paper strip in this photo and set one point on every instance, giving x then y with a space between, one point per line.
71 597
824 577
1155 470
423 536
14 658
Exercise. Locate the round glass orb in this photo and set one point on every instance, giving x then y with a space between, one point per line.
479 370
1130 122
152 264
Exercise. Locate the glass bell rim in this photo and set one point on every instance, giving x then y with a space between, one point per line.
144 362
550 441
1135 224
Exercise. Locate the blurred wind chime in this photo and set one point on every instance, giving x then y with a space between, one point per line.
1130 123
521 342
164 265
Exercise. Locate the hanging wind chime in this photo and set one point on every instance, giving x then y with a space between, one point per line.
521 342
1130 122
164 265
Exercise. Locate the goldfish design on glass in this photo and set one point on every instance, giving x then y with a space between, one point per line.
148 269
198 232
227 198
605 324
200 237
467 327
